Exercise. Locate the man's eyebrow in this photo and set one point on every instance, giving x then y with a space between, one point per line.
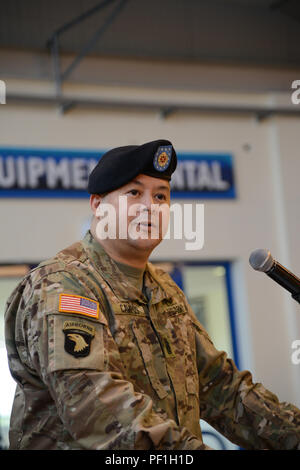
157 187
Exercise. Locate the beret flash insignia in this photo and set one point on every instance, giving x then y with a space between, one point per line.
162 158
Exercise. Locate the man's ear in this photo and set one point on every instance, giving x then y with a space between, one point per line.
95 200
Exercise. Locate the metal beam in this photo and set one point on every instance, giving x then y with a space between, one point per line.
164 109
89 45
53 43
56 67
77 20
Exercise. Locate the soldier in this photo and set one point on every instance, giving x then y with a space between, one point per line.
105 349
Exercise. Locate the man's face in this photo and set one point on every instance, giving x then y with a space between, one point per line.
141 209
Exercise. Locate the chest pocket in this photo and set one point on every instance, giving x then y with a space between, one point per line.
150 351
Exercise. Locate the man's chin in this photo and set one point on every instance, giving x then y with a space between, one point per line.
144 243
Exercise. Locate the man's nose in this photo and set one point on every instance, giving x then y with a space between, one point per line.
147 200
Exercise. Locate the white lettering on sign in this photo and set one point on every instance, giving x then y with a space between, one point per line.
36 169
7 173
79 173
58 172
191 175
19 172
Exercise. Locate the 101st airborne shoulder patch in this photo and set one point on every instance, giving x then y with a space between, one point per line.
78 338
70 303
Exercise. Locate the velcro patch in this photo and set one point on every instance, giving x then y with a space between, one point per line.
168 349
78 337
70 303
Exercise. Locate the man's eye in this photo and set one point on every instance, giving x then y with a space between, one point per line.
161 196
134 192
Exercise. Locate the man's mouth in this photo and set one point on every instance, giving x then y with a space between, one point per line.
145 225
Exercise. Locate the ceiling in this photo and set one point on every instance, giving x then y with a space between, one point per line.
258 32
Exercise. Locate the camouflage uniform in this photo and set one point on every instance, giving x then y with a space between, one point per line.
134 373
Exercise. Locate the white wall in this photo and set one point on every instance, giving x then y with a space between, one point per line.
264 214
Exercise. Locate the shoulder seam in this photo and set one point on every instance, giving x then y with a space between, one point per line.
62 269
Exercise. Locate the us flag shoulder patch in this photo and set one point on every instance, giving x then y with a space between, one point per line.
70 303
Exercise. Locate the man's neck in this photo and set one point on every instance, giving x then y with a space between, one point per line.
131 257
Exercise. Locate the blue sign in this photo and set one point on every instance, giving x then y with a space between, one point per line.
64 173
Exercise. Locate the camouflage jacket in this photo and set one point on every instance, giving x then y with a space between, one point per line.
100 365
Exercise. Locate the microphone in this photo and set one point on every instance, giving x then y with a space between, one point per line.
262 260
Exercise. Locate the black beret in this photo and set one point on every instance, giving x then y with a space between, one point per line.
120 165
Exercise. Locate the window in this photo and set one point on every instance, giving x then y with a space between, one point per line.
10 276
207 287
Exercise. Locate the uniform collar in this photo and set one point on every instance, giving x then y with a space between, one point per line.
117 281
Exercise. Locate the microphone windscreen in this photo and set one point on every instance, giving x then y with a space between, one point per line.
261 260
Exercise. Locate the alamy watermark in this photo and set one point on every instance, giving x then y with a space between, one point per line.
295 356
296 94
2 92
160 221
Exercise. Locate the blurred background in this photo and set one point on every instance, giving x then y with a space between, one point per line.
218 78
